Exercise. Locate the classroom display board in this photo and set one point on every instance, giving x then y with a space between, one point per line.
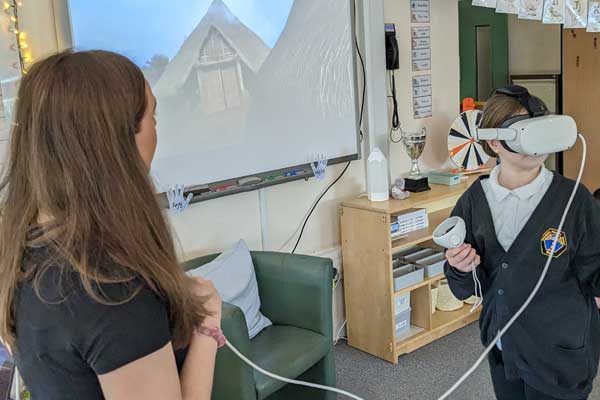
244 87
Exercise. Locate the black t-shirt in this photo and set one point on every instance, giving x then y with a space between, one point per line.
67 339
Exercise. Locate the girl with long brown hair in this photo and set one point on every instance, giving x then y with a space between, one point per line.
93 302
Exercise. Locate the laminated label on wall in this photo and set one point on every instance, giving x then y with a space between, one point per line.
421 65
554 11
594 17
420 11
421 54
421 48
421 43
576 14
422 96
531 9
508 6
418 32
485 3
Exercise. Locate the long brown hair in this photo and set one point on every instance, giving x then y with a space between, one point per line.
74 158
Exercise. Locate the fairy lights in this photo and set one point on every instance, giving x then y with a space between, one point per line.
11 9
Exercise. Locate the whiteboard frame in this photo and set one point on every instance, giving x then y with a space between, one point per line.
65 42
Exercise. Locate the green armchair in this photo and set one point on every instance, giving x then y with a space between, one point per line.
295 293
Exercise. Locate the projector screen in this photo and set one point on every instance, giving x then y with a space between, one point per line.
244 87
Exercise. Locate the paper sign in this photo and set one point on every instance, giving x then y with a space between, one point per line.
576 14
531 9
419 5
554 11
422 91
422 96
420 11
421 80
422 54
420 17
422 65
423 112
421 43
485 3
508 6
421 32
594 17
420 102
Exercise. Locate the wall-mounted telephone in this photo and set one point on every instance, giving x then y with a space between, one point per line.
392 53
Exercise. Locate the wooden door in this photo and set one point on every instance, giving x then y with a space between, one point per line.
581 91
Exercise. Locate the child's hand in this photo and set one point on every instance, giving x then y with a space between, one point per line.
463 258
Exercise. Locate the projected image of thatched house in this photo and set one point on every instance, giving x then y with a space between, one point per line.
204 92
214 63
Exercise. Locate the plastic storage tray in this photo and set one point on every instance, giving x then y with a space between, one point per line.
433 265
401 303
414 257
402 322
407 275
403 253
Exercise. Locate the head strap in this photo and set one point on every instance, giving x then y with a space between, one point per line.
534 107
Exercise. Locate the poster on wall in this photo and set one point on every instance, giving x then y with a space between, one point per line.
508 6
422 96
554 11
420 11
594 17
421 65
576 14
8 95
419 32
421 48
531 9
485 3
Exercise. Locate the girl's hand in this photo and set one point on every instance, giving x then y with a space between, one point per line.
463 258
206 289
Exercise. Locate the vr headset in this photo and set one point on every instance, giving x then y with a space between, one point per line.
534 133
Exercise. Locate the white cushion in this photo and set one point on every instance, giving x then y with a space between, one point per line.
233 275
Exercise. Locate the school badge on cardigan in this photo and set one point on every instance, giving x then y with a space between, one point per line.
548 239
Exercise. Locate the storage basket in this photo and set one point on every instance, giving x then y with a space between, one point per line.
446 300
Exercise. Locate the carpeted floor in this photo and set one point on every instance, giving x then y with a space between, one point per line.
422 375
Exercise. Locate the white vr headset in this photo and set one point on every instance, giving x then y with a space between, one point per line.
535 133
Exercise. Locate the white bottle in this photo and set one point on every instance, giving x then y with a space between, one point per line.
377 176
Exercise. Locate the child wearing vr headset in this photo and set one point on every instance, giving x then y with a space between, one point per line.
552 351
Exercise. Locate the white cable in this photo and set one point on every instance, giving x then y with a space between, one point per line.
478 290
338 337
537 286
17 384
286 380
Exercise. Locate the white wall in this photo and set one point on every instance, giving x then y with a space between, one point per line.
445 76
533 47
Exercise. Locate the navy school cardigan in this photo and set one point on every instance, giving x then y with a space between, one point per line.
555 345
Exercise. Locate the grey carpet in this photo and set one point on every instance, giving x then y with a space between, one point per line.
422 375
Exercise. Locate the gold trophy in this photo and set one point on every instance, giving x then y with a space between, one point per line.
414 143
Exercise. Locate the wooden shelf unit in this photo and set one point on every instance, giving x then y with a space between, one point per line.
367 248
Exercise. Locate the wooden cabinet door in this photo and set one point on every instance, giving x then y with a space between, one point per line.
581 83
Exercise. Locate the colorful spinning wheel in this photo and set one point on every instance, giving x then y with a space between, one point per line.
465 151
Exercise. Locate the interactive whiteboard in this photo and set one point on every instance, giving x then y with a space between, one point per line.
244 87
